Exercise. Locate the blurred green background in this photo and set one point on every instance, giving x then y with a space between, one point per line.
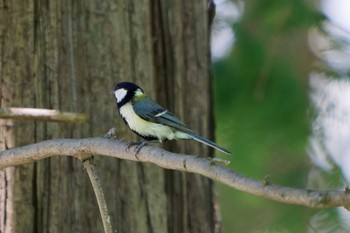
263 112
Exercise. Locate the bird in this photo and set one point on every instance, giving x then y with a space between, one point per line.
150 120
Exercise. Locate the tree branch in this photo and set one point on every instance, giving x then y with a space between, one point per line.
101 201
39 114
84 148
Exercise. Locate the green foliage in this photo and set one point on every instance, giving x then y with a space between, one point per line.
278 16
261 102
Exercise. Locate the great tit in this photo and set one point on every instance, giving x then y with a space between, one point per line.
151 121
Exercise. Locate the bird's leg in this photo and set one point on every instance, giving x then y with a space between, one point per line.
130 144
139 145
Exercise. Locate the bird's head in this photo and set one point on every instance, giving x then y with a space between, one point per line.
125 92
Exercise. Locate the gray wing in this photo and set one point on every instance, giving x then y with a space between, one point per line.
151 111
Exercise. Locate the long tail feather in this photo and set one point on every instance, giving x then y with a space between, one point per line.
207 142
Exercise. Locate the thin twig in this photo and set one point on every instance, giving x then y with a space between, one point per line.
101 201
40 114
84 148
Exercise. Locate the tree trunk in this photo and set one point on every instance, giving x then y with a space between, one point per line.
68 55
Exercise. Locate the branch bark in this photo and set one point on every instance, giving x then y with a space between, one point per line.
100 197
40 114
84 148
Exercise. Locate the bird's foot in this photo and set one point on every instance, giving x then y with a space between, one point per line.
138 145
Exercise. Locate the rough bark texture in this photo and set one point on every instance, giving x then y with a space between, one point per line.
68 55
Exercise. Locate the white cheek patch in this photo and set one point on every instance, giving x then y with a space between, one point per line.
120 94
